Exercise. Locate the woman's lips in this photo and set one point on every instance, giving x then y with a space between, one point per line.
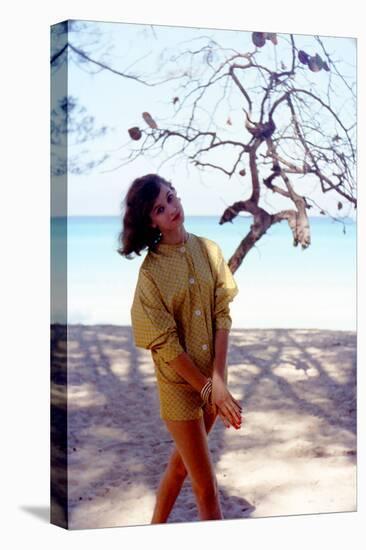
176 217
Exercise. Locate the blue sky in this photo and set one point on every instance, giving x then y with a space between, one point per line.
118 103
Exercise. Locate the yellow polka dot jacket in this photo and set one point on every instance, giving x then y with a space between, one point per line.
182 296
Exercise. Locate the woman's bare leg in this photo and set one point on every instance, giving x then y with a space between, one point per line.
174 476
191 441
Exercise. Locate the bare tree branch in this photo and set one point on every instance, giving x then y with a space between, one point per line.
302 126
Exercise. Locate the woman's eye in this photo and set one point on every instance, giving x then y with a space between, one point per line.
161 208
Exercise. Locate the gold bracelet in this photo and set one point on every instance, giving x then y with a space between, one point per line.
206 391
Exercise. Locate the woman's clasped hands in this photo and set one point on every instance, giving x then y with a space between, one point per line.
229 409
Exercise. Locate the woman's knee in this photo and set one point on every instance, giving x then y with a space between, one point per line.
191 447
177 465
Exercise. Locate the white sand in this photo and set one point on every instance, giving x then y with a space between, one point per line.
295 454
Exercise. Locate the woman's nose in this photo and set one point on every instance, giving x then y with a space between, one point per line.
174 211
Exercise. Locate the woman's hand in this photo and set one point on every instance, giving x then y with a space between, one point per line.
229 408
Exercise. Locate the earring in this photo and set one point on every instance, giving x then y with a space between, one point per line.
158 237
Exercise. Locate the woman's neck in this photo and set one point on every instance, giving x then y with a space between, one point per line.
179 236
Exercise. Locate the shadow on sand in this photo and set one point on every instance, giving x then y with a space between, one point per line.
118 446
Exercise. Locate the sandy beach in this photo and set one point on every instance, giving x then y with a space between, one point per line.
295 453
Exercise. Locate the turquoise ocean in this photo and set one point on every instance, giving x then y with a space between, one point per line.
280 286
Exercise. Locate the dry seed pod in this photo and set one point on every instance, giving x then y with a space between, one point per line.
272 36
135 133
314 64
259 39
149 120
303 57
319 60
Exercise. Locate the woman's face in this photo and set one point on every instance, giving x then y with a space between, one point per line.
167 213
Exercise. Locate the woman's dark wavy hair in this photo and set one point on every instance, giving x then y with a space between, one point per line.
137 233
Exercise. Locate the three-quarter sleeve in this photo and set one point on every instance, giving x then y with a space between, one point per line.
225 291
153 326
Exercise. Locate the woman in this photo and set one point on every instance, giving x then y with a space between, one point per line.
180 312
